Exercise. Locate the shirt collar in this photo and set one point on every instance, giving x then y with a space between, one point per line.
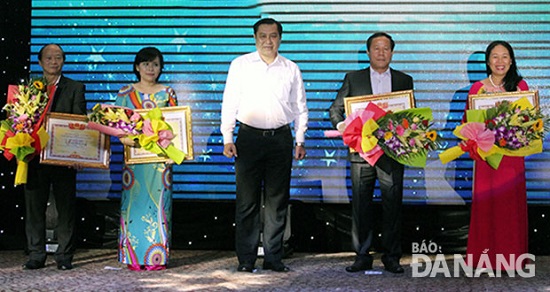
383 74
57 80
256 58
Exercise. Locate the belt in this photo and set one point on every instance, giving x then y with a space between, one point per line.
265 132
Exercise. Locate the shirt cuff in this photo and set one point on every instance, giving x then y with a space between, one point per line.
300 137
227 139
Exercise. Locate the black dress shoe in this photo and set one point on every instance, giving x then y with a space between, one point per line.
64 266
33 265
359 265
246 268
276 266
394 267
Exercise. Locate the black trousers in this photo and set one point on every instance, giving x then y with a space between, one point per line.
390 177
62 182
264 162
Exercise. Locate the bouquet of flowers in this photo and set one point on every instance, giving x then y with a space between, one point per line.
515 127
115 120
404 136
22 135
512 129
152 132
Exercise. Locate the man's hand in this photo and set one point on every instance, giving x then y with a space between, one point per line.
229 150
77 166
299 152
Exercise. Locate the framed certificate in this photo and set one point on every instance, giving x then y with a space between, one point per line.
392 101
179 118
71 141
489 100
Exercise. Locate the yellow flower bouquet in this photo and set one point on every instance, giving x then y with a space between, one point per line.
115 120
151 131
22 135
511 129
405 136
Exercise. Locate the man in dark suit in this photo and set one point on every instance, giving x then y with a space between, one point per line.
379 78
68 98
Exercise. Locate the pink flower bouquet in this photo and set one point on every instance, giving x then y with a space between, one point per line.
150 130
404 136
509 129
115 120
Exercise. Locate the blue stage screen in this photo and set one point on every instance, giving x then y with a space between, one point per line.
437 42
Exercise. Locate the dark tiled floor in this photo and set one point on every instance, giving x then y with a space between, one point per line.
98 270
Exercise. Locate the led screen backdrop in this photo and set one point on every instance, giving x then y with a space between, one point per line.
438 43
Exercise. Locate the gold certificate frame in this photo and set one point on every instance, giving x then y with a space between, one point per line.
392 101
71 141
179 118
489 100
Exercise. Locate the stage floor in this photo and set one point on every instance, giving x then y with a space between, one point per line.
210 270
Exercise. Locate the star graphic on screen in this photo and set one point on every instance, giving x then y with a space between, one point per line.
179 41
95 58
112 97
213 85
330 157
205 155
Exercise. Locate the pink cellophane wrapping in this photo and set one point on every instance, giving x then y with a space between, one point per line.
107 130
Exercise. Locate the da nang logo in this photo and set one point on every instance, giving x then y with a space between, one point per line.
429 261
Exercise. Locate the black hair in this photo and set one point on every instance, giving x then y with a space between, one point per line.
148 54
380 34
40 53
512 77
268 21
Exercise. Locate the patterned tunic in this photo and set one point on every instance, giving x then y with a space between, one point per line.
146 204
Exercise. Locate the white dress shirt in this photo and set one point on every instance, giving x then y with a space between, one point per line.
56 84
380 82
264 96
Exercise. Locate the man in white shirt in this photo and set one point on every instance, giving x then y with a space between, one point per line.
264 91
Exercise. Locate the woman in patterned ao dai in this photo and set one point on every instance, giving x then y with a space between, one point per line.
146 204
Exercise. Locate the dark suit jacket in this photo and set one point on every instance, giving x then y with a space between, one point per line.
357 83
69 97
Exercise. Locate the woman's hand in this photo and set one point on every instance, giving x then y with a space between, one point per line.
128 142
